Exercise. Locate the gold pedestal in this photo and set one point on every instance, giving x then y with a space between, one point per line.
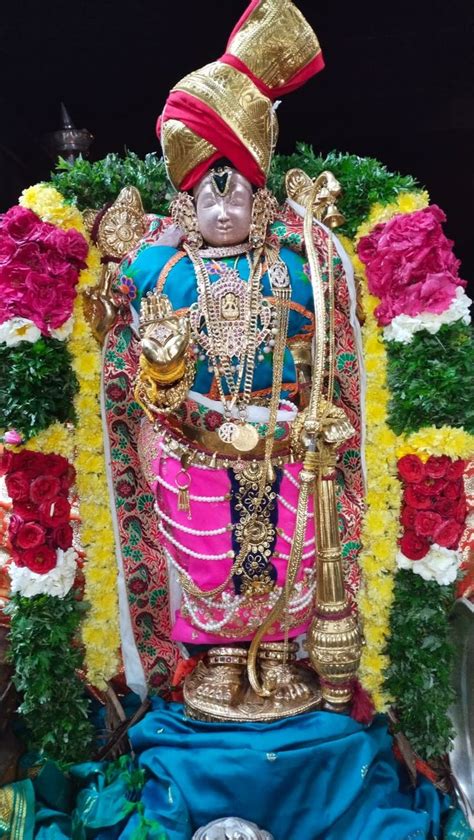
218 688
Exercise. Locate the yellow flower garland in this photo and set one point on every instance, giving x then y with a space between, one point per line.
100 630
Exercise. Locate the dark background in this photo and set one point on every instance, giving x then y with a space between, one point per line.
398 84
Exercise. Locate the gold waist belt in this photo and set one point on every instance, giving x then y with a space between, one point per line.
206 447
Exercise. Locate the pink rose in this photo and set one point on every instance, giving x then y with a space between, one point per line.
410 265
12 437
7 249
29 254
21 223
70 245
49 303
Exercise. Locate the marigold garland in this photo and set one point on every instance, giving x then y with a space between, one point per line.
100 630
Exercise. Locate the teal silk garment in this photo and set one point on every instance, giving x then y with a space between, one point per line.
181 288
318 776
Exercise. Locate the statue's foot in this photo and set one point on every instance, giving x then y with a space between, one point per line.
212 693
217 682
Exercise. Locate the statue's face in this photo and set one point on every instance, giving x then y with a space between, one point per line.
224 209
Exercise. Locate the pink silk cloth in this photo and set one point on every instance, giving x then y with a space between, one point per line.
193 620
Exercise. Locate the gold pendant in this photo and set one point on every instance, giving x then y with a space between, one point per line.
228 432
246 438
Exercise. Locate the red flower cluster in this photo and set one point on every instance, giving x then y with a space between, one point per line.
38 486
39 267
434 504
410 265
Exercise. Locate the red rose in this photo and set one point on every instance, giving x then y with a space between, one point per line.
455 470
411 468
426 522
416 500
68 478
30 535
62 537
27 511
6 461
31 463
448 534
14 524
453 490
21 223
413 546
445 507
18 486
39 560
431 486
56 465
408 517
460 511
436 466
44 488
55 512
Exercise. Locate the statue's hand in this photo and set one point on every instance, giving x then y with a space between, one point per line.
100 308
165 341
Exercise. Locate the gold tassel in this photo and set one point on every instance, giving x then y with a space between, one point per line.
184 501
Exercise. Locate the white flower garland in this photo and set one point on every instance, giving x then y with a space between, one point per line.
57 581
16 330
404 327
440 564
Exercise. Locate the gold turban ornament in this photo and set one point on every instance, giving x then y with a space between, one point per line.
225 109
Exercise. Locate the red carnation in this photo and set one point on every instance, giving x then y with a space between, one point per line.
448 533
408 517
39 560
413 546
436 466
43 488
30 535
416 500
55 512
18 486
411 468
455 470
62 537
426 522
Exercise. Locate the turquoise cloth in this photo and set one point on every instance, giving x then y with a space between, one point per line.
318 776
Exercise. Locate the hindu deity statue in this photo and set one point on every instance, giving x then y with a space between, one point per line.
235 379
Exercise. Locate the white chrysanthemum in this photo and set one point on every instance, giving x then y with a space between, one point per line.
404 327
18 329
63 332
57 582
439 564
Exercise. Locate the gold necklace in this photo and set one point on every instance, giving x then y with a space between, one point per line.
241 434
225 251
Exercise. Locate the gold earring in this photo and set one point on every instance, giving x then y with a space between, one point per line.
183 213
264 210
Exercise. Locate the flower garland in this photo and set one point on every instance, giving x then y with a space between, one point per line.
100 631
399 653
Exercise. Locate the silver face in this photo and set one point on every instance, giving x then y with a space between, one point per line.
224 219
231 828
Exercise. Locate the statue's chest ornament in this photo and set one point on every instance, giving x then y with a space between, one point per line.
231 301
